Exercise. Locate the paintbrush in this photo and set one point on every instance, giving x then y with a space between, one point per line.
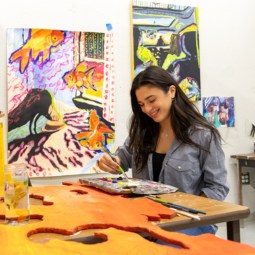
170 206
186 214
179 207
120 168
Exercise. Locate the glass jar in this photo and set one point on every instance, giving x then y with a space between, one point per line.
16 195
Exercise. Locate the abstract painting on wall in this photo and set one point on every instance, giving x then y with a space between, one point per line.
60 100
167 35
219 111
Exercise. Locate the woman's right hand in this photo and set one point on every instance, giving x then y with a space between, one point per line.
108 165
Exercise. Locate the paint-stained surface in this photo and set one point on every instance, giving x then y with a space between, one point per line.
59 83
135 186
1 155
167 35
65 212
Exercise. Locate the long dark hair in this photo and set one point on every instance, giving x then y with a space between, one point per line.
144 131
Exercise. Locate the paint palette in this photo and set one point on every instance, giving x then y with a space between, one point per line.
122 186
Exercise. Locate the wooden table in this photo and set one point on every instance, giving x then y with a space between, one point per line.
246 160
217 212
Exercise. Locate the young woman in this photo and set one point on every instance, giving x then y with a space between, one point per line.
171 142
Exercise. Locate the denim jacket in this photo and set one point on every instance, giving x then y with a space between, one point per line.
186 167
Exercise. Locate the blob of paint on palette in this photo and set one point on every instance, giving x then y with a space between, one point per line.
122 186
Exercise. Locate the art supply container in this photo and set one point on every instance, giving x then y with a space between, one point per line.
16 195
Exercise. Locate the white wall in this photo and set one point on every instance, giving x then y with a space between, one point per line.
226 49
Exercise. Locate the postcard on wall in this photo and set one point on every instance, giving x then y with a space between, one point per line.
167 35
60 100
219 111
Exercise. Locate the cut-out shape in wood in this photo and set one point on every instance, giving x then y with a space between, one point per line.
122 243
42 198
92 208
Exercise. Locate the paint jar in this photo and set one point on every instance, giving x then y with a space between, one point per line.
16 195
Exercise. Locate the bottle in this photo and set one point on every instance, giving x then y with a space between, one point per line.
16 195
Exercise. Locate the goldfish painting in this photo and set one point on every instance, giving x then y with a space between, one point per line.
80 77
97 131
39 43
61 100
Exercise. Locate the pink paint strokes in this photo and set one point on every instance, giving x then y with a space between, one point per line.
47 148
41 141
17 87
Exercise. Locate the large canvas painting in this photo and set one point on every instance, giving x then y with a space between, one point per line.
167 35
219 111
60 100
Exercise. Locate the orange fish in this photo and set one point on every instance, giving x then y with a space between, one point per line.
91 139
39 43
80 77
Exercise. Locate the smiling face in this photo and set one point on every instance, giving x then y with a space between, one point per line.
155 102
210 108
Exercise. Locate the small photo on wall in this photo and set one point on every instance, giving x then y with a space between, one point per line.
219 111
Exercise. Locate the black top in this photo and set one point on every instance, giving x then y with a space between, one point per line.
157 161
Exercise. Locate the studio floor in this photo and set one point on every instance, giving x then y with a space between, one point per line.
247 233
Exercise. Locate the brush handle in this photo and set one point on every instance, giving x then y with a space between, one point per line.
184 207
186 214
180 207
120 168
169 205
114 160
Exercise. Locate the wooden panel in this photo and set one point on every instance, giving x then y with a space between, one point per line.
250 156
247 162
2 161
233 230
75 208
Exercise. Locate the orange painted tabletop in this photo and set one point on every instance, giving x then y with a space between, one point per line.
67 210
